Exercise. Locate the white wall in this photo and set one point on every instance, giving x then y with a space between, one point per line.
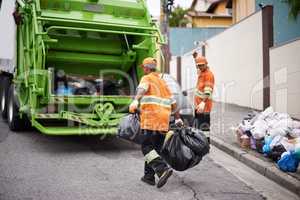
236 58
173 67
188 72
7 35
285 78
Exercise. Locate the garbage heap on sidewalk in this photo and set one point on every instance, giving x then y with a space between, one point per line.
276 135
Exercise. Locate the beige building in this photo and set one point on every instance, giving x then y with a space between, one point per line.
241 9
219 13
209 13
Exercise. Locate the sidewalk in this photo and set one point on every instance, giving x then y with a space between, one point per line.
223 117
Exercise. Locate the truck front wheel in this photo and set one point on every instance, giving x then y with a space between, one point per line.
14 121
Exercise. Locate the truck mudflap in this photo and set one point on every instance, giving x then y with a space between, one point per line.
103 120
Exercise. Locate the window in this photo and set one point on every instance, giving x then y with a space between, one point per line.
0 4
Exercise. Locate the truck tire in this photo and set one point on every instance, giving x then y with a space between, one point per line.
14 121
5 83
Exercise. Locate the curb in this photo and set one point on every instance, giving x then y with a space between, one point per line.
266 169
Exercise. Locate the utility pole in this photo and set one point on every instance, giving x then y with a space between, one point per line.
165 10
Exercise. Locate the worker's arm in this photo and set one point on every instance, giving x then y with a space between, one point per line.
174 109
141 91
178 120
208 90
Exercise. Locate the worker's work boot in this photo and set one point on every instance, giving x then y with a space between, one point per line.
163 178
148 179
149 175
162 170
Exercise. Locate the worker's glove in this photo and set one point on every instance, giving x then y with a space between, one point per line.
200 107
179 122
133 106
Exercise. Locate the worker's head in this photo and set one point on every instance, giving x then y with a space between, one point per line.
201 63
149 65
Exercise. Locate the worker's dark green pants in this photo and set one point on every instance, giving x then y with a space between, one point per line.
152 142
202 122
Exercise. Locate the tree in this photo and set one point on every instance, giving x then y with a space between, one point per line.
177 18
294 8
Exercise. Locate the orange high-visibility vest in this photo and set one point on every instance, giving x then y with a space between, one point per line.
155 105
204 89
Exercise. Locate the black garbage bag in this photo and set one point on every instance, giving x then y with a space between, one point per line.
129 129
185 148
276 153
195 140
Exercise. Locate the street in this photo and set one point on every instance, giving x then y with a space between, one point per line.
229 68
35 166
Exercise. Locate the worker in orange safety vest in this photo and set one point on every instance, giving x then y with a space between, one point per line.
203 95
155 102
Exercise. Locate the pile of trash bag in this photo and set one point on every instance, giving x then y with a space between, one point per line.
274 134
183 147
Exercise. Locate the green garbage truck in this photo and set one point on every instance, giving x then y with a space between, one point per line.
70 67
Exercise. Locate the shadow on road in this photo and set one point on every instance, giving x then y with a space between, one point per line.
73 144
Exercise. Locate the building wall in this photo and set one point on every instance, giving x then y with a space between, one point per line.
188 73
211 22
182 40
236 58
242 9
285 78
173 66
285 29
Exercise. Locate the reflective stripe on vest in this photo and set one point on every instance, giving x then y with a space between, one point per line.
208 90
202 94
156 100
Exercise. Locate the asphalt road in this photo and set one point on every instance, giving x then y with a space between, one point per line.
38 167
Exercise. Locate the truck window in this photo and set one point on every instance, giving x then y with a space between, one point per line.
0 4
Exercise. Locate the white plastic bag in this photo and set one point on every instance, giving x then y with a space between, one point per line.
287 145
276 141
259 130
279 131
295 133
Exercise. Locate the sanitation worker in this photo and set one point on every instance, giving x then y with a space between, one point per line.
155 103
203 95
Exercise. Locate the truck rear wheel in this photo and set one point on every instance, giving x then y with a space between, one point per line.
14 121
5 83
